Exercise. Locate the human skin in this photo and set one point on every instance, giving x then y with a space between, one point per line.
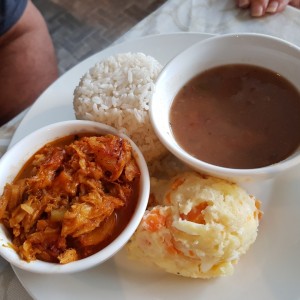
28 64
259 8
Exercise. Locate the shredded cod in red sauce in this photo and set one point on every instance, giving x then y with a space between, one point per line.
71 199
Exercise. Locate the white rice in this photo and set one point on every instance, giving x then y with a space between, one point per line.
117 92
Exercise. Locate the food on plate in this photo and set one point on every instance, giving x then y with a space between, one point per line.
72 198
236 116
197 226
116 91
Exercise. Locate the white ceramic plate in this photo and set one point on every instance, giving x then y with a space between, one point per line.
270 270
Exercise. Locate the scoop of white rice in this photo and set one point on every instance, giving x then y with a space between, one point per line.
117 92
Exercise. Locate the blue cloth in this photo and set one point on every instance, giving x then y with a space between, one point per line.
10 13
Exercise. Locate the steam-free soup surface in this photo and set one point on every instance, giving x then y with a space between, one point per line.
237 116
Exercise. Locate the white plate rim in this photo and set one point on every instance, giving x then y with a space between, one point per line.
260 285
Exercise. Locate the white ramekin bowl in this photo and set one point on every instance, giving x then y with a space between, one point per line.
15 158
254 49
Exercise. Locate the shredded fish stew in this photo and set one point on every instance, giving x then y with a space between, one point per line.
72 198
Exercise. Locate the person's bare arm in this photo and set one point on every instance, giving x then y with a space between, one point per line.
27 63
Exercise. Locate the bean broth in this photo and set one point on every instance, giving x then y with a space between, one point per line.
237 116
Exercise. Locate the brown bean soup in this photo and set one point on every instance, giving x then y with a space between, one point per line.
237 116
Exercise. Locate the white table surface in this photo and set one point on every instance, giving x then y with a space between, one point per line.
205 16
